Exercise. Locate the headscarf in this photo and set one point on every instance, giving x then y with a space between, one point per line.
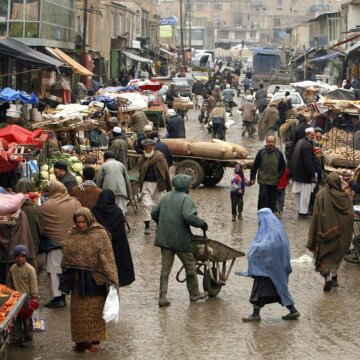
24 186
269 254
109 215
58 212
90 250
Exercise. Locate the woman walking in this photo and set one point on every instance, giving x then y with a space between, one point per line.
88 269
269 265
331 229
109 215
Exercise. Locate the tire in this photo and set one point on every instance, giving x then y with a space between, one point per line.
192 168
214 176
209 285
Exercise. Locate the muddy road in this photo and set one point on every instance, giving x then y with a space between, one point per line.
328 327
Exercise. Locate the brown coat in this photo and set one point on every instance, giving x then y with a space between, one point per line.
86 194
331 227
161 169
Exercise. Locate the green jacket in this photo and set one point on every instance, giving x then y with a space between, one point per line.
174 214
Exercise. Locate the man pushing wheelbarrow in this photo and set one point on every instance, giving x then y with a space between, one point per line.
174 214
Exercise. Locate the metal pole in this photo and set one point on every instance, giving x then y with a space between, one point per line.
190 26
182 33
84 26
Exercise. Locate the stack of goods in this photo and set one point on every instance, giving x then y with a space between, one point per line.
10 207
216 149
8 298
338 147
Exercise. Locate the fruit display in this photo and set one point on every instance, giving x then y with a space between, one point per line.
11 297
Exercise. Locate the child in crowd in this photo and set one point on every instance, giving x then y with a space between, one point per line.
237 192
22 278
282 184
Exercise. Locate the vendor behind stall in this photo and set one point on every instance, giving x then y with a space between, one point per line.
64 176
3 109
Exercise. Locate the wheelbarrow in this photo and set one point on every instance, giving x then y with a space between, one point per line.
211 261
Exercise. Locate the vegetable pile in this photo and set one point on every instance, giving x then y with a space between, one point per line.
14 297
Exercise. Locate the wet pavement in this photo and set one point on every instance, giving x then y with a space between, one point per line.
328 327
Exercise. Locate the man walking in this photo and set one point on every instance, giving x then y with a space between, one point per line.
175 126
174 214
269 165
302 171
154 179
113 176
248 109
260 97
119 146
218 118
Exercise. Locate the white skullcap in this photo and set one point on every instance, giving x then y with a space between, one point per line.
117 129
309 129
171 112
147 128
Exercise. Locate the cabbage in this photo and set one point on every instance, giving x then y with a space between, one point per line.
79 179
44 174
44 168
77 167
52 177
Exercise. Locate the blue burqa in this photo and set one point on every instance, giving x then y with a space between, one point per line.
269 254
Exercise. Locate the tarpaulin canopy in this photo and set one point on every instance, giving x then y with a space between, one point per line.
74 65
352 48
324 58
146 84
8 94
302 56
135 57
12 48
20 135
265 51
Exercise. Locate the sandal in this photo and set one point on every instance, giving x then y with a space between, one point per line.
92 349
291 316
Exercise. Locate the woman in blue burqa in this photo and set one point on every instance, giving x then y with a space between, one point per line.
269 266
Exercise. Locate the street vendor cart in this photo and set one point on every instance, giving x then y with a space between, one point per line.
206 171
7 323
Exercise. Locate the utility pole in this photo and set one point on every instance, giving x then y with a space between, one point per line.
85 11
190 9
182 32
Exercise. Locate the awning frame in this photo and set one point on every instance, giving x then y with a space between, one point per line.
135 57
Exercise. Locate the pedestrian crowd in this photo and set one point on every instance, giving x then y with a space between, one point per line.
81 229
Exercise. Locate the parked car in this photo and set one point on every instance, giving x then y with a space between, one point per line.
182 87
271 90
296 98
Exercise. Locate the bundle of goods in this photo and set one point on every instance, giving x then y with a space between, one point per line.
343 152
181 103
216 149
336 137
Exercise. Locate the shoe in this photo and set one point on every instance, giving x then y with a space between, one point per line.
233 218
328 285
291 316
334 282
252 318
56 303
92 349
303 216
240 217
147 231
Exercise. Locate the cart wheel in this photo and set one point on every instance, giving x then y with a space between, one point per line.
193 169
213 177
209 285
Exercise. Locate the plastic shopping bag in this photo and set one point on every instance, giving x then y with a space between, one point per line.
112 305
37 324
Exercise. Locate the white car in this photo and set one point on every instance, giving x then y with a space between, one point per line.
271 90
296 98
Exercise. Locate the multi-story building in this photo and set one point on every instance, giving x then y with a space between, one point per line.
39 22
262 22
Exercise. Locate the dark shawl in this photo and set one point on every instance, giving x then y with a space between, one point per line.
109 215
331 227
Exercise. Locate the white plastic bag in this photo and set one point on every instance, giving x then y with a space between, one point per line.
112 306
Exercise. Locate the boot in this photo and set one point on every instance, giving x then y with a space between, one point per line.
163 291
193 288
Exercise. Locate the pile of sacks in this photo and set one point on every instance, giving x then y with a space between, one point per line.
216 149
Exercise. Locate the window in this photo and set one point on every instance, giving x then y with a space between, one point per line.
31 30
217 7
113 26
200 7
16 29
277 22
189 8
